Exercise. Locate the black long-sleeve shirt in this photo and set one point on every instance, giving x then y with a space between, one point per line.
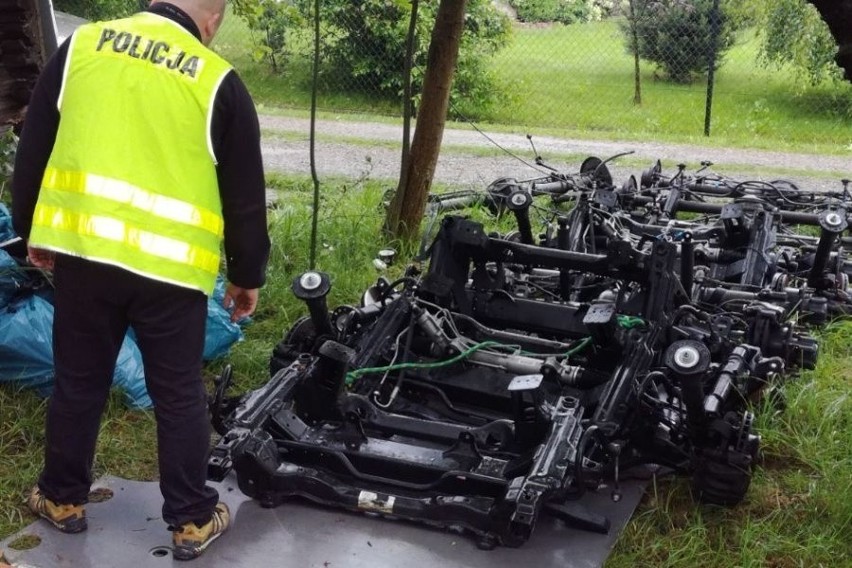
235 133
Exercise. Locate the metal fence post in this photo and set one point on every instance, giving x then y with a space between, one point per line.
711 64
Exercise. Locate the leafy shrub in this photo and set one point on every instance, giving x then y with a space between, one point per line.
677 35
794 33
100 9
364 48
270 22
747 13
562 11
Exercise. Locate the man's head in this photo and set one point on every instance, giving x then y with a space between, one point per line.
207 15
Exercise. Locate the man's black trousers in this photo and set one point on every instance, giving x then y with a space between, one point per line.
94 305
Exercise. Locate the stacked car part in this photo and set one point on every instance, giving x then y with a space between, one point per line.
521 370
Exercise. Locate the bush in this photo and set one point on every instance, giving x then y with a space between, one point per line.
562 11
677 35
364 48
794 33
100 9
270 22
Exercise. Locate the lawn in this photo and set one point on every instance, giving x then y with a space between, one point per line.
589 86
578 81
797 513
290 87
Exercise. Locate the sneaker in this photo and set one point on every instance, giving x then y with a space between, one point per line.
191 540
66 518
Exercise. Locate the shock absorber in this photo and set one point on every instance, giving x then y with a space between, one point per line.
519 202
318 397
833 223
312 288
689 360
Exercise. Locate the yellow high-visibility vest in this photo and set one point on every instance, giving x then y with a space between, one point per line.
131 180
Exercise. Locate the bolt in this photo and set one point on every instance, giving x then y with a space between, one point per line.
833 219
687 357
310 280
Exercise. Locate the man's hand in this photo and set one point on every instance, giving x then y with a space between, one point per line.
241 300
41 258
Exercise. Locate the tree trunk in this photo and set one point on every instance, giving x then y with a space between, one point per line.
407 106
409 202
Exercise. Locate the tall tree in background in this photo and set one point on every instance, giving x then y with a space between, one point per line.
409 202
676 35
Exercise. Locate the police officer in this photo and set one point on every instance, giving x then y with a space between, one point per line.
139 155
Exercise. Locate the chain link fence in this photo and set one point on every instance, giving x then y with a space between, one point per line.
754 73
629 69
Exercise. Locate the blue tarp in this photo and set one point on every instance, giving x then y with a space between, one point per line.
26 332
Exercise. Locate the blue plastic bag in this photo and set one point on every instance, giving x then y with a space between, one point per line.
26 330
6 230
10 278
26 344
20 281
26 352
130 375
220 332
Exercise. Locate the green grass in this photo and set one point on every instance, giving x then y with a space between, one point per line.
349 236
797 513
577 81
126 447
580 76
290 86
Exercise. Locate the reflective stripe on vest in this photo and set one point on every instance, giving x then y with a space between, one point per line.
133 237
123 192
132 178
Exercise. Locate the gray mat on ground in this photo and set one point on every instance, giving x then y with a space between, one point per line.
127 532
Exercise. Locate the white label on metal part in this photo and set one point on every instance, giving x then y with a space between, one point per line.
369 501
526 382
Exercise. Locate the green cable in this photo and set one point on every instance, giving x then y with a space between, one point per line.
352 375
629 322
579 347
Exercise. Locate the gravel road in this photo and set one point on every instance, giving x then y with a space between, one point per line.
350 149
